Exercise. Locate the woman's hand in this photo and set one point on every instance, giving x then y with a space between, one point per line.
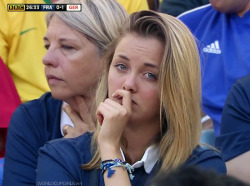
113 114
82 121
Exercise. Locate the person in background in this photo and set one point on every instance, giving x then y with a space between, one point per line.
234 138
154 4
1 170
75 43
176 7
147 111
194 176
22 48
223 32
9 100
133 6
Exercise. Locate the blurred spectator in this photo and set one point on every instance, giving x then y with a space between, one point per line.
234 139
22 49
134 5
176 7
223 31
1 170
154 4
9 100
195 176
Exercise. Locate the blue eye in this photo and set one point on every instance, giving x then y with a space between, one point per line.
121 66
150 76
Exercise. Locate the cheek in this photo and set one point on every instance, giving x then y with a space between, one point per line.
152 97
114 83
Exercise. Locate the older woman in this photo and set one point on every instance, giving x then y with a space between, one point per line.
75 43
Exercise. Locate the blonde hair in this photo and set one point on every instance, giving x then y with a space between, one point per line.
179 86
98 20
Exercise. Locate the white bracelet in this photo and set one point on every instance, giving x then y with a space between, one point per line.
205 118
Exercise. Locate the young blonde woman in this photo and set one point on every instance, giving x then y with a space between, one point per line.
147 110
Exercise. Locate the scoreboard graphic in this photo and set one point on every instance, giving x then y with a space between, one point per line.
43 7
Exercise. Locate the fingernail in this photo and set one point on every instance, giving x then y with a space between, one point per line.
113 95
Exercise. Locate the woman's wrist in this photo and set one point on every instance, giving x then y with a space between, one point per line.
110 152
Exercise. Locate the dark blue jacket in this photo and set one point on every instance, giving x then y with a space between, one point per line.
32 125
234 138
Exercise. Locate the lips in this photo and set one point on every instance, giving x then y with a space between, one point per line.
52 79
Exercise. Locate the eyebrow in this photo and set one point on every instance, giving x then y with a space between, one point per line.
124 57
151 65
145 64
45 38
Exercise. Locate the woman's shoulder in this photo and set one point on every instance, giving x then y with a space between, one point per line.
63 148
61 159
207 158
37 114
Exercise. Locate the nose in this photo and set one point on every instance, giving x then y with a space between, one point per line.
50 58
130 84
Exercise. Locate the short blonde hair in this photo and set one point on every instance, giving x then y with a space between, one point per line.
179 85
98 20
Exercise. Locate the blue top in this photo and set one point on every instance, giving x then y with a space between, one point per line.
235 124
225 54
59 162
32 125
1 170
176 7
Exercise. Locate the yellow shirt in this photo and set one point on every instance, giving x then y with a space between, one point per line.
22 48
134 5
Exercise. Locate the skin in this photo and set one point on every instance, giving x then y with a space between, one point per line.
131 111
72 67
231 6
238 167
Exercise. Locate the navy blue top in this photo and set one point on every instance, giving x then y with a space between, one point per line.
235 124
176 7
60 162
225 54
32 125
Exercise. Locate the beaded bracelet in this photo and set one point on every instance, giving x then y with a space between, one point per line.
109 164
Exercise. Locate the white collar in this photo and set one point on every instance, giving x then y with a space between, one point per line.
149 159
65 120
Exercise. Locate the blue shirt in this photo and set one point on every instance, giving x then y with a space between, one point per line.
225 54
32 125
60 162
1 170
235 124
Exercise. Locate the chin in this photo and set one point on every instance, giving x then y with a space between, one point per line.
58 95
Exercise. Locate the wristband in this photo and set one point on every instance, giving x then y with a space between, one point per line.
109 164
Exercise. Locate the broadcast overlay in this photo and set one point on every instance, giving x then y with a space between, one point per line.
43 7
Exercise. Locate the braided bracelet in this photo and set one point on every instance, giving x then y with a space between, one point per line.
109 164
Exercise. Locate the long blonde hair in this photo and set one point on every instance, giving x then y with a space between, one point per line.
179 86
